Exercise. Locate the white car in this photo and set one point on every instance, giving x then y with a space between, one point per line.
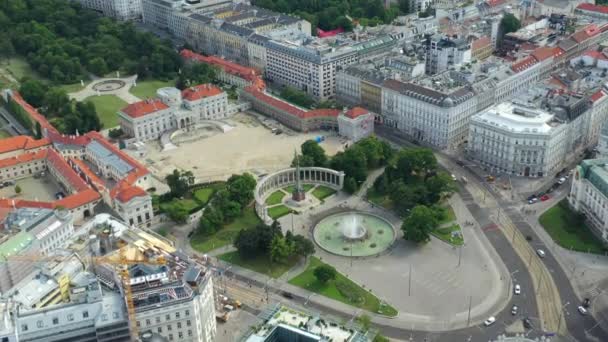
540 253
514 310
491 320
582 310
517 289
561 180
454 177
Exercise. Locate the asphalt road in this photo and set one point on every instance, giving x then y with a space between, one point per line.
581 328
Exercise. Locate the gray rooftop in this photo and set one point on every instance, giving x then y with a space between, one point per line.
109 158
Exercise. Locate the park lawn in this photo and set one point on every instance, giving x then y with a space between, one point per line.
291 188
260 264
4 134
203 195
74 87
107 107
322 192
569 230
20 68
445 234
278 211
349 294
188 204
275 198
449 214
147 89
226 235
379 199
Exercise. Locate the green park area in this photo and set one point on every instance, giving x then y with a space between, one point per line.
225 236
275 198
260 264
203 195
147 89
107 107
450 233
341 289
379 199
569 230
19 68
321 192
278 211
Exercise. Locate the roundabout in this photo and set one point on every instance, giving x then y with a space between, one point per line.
355 234
109 85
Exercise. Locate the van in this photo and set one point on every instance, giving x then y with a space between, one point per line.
228 307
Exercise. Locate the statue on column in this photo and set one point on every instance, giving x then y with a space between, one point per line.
298 193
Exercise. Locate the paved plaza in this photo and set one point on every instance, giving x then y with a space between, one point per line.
248 147
36 189
96 88
441 286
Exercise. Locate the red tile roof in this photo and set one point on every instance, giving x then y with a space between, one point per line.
78 199
228 67
355 112
598 95
274 102
480 43
593 8
524 64
318 113
200 91
79 166
22 142
139 109
55 160
543 53
596 55
494 3
129 193
24 158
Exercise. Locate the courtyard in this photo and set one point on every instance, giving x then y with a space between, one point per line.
35 189
248 147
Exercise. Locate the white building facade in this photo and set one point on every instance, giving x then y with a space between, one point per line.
518 140
118 9
589 195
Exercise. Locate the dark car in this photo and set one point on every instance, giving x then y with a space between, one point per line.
59 195
531 197
586 302
527 323
287 295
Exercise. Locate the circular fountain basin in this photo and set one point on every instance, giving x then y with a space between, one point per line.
354 234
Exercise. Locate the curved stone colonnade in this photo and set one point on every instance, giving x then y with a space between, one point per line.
308 175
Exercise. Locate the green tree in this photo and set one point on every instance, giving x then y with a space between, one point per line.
325 273
179 182
240 188
509 23
419 223
365 322
247 243
17 189
38 131
98 66
115 133
350 185
177 213
381 338
33 92
438 186
303 247
312 149
280 250
7 50
57 102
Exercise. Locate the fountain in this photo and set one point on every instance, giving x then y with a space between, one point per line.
354 231
354 234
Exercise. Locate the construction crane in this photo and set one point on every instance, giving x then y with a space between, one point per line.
121 267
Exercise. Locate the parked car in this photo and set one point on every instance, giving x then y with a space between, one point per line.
287 295
545 198
562 180
454 177
586 303
491 320
514 310
582 310
533 200
540 253
517 289
531 197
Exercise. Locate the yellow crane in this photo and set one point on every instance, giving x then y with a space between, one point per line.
120 265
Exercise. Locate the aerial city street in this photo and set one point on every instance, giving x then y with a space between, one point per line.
304 170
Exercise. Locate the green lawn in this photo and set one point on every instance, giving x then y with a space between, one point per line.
278 211
203 195
275 198
449 215
379 199
260 264
107 107
4 134
75 87
291 188
147 89
322 192
20 68
569 230
226 235
188 204
445 234
341 289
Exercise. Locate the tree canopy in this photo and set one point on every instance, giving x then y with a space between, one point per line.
325 273
179 182
419 223
509 23
63 42
331 14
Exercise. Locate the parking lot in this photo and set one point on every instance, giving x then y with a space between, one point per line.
36 189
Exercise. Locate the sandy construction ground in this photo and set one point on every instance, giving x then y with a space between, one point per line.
248 147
